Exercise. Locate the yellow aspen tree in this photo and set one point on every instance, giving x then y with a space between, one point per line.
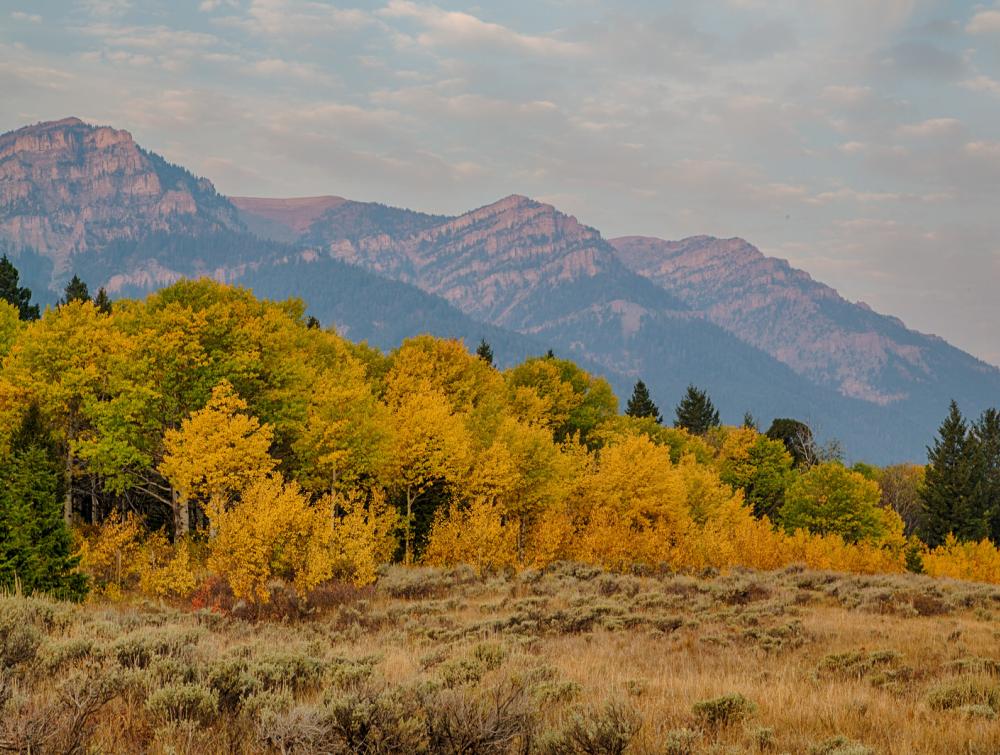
346 435
218 451
474 534
263 535
430 444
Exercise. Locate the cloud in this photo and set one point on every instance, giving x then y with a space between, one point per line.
982 83
984 22
443 28
296 18
931 127
106 8
31 18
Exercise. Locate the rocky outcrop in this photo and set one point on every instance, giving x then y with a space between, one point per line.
67 188
803 323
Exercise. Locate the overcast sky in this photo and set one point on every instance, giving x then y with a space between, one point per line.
860 139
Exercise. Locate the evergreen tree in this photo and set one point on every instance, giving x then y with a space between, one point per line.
35 544
696 412
987 437
76 290
312 323
950 490
102 301
485 352
550 354
18 296
641 405
749 421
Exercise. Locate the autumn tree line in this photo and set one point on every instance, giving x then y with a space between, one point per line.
202 437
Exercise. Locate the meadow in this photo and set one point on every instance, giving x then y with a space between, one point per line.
566 659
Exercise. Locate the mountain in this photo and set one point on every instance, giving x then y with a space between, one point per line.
525 266
69 188
807 325
754 332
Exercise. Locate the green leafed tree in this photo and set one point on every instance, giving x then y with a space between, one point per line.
696 413
76 290
15 294
829 499
35 544
951 503
641 405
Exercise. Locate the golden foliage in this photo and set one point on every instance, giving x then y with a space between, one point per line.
977 561
219 450
475 534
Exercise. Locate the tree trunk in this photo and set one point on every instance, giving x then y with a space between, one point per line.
408 557
520 541
182 514
68 498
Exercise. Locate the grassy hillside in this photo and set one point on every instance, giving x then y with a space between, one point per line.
565 660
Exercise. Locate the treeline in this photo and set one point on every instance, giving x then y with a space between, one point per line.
203 437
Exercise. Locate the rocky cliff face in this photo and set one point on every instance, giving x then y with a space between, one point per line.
67 188
801 322
497 263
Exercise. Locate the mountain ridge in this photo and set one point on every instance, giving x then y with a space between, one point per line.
759 334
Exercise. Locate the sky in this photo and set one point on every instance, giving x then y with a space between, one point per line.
859 139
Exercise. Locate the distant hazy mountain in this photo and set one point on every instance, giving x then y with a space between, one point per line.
759 335
811 328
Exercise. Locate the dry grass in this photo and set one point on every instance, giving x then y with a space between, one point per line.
569 660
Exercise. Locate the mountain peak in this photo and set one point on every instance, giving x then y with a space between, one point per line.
67 187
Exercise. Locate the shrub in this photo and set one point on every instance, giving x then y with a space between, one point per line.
374 722
183 702
724 710
680 742
840 745
605 732
965 691
493 721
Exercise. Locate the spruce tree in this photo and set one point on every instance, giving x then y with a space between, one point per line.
749 421
76 290
485 352
641 405
312 323
102 301
949 493
987 436
696 413
16 295
35 544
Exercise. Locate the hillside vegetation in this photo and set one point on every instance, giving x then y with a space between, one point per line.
203 434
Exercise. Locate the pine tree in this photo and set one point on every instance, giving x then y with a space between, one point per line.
312 323
641 405
76 290
749 422
987 436
485 352
102 301
35 543
949 493
18 296
696 413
